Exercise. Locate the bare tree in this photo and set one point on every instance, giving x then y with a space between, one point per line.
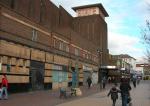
146 39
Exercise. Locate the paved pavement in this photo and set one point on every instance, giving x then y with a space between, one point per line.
45 98
140 97
93 96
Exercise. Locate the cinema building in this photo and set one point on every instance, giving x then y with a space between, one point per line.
42 45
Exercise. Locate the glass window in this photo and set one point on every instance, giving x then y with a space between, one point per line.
76 51
67 48
34 35
57 43
61 45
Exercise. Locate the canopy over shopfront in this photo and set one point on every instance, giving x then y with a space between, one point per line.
110 70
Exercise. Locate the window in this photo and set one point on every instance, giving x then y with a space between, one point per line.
57 43
61 45
67 48
76 51
34 35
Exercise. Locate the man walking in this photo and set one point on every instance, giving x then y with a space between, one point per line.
125 88
104 82
89 82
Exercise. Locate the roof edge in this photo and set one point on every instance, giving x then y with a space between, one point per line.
99 5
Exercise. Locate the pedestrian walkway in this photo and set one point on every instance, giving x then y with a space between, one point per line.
45 98
140 97
90 97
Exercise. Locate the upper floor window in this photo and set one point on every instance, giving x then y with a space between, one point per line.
67 48
61 45
34 35
76 51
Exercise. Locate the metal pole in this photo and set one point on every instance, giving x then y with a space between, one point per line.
99 67
100 70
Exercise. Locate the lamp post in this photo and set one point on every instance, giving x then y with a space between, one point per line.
99 67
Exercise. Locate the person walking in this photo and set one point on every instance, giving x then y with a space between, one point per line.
114 94
89 82
138 80
104 82
134 81
125 91
4 87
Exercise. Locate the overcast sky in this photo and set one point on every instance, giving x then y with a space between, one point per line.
126 17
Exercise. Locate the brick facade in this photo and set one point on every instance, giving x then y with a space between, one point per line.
37 30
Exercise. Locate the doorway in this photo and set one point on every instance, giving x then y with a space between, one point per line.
37 75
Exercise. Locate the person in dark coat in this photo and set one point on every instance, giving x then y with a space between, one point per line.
114 94
104 82
89 82
125 91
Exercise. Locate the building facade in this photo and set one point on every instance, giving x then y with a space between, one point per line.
41 45
143 70
125 63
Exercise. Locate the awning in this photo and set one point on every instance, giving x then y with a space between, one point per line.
114 73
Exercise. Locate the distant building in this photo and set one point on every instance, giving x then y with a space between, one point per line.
127 61
143 69
124 63
42 45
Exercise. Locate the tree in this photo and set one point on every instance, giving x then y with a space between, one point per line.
146 39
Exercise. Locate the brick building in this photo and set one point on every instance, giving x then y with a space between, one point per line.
41 44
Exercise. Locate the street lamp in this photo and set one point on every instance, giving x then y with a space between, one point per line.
99 51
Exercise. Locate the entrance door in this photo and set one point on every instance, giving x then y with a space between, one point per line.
37 75
86 74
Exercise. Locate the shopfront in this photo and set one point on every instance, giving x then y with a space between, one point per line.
59 76
87 72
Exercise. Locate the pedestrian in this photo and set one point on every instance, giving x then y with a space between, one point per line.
114 94
138 80
104 82
134 81
89 82
4 87
125 91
